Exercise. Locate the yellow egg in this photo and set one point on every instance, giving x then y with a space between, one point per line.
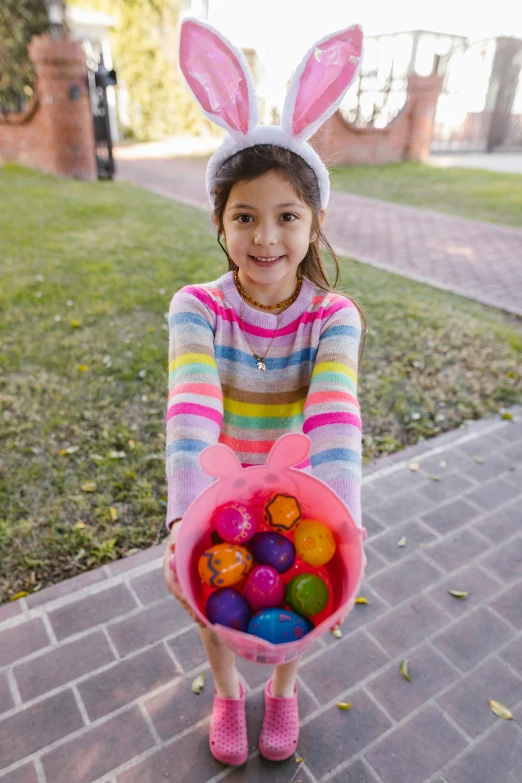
224 564
314 542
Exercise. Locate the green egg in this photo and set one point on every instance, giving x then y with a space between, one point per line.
307 594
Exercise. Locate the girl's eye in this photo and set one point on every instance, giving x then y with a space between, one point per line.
285 215
289 214
238 218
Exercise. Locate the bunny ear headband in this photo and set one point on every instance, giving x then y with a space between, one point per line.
221 82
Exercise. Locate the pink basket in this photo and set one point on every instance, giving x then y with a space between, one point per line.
253 486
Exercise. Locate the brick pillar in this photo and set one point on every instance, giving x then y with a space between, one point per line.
424 93
67 133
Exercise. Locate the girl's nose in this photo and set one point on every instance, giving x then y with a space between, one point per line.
265 236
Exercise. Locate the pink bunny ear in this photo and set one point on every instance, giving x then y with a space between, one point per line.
218 76
288 450
321 81
219 460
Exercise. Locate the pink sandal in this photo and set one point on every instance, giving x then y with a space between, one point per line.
280 730
228 731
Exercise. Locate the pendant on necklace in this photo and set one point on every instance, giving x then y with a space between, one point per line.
261 364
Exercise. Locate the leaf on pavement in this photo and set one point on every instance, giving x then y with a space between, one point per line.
198 683
458 594
500 710
403 668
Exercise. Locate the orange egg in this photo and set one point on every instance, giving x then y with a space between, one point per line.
224 564
282 512
314 542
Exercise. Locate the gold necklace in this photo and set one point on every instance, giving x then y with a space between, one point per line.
284 304
260 360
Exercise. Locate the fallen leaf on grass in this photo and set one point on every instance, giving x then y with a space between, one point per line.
402 541
89 486
117 455
198 683
83 367
75 323
114 513
79 525
96 457
507 416
70 450
458 594
343 705
499 710
362 600
403 668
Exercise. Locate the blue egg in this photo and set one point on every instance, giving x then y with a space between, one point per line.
228 607
273 549
278 626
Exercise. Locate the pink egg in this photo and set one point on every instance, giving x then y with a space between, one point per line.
264 588
236 523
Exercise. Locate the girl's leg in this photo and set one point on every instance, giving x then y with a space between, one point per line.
223 664
283 680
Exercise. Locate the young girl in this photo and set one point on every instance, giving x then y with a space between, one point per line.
267 348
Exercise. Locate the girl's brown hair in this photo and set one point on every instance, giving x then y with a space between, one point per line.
253 162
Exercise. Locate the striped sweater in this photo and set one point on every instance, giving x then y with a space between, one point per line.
217 394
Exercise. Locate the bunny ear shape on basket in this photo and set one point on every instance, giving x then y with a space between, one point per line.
320 82
218 75
219 461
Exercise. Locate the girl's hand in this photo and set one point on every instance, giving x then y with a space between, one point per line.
169 571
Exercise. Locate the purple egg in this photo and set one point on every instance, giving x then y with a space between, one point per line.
273 549
228 607
264 588
236 523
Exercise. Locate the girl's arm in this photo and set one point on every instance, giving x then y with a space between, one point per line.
195 405
331 414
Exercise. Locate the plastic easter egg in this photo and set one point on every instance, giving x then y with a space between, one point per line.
224 565
264 588
307 594
278 626
274 550
227 606
282 512
314 542
235 523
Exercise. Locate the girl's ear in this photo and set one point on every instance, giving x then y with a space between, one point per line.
219 77
321 81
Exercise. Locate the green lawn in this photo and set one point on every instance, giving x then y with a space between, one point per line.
87 271
471 193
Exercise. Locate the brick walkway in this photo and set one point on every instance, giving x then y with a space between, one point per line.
482 261
95 672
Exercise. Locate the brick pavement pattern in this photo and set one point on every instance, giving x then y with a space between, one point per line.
95 672
475 259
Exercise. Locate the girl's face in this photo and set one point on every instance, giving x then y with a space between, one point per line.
268 230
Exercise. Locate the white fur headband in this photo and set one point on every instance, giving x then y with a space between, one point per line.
218 75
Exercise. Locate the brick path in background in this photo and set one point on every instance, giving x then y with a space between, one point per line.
479 260
95 672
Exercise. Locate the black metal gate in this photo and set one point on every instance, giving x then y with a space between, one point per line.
99 78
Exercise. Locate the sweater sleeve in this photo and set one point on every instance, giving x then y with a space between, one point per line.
195 402
331 414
